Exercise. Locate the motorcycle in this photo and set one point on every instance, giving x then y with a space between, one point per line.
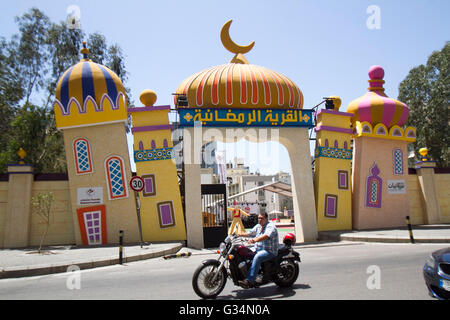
235 260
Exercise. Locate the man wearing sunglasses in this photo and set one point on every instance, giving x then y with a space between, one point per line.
265 237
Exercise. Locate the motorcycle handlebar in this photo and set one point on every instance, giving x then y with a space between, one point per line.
244 240
237 238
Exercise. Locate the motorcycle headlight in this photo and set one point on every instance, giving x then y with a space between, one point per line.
222 247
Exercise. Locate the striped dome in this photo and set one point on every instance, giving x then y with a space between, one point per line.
240 85
89 80
375 107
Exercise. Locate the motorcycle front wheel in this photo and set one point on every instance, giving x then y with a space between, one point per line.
202 280
287 273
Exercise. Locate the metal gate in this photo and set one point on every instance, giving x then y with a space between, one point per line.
214 214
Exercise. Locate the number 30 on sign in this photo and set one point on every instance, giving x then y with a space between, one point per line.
137 184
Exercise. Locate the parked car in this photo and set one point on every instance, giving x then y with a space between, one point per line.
436 273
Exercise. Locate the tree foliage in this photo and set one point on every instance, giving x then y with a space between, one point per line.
31 63
426 90
42 206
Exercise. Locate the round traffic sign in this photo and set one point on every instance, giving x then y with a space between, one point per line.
137 184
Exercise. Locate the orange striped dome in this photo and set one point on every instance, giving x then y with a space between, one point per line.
240 85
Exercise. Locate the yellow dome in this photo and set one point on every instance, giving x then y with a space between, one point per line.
89 88
88 79
238 85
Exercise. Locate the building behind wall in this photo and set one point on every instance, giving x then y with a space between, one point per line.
241 180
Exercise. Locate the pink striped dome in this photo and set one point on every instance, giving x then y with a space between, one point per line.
375 107
240 85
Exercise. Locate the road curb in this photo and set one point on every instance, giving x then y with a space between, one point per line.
393 240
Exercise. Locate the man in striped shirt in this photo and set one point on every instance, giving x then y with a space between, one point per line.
265 236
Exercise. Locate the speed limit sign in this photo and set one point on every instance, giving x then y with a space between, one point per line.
137 184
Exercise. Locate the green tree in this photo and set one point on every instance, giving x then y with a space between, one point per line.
34 131
42 206
31 63
426 90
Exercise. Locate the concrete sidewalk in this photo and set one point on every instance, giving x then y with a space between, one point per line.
439 233
15 263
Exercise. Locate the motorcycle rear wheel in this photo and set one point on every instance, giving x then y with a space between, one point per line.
287 273
202 280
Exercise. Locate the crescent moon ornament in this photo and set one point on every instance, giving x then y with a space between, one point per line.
229 44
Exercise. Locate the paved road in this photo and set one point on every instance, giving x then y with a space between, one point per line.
340 271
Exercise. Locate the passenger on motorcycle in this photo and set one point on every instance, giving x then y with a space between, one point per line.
265 236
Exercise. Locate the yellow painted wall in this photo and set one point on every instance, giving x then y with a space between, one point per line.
61 229
166 179
417 211
416 200
3 204
329 186
326 175
335 120
443 190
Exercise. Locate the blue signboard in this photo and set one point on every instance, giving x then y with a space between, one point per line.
246 117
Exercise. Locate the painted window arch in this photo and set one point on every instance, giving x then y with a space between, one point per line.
397 160
345 145
374 186
116 177
153 144
141 145
326 142
83 158
336 145
165 143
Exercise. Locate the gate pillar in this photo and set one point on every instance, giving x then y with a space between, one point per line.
192 193
296 142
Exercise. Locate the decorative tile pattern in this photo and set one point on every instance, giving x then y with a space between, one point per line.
397 155
83 162
330 206
153 154
374 188
336 153
342 179
166 214
116 177
92 221
149 185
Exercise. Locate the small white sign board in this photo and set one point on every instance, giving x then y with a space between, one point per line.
396 186
89 196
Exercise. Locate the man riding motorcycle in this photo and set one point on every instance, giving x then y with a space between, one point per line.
265 236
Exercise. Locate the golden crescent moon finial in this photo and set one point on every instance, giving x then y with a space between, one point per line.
229 44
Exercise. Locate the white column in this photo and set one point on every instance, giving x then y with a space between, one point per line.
192 197
296 142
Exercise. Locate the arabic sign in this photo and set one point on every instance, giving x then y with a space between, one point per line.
246 117
89 196
396 186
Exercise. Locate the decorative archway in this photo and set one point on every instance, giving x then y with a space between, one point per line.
237 101
295 140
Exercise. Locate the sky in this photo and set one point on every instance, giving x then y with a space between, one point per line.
325 46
